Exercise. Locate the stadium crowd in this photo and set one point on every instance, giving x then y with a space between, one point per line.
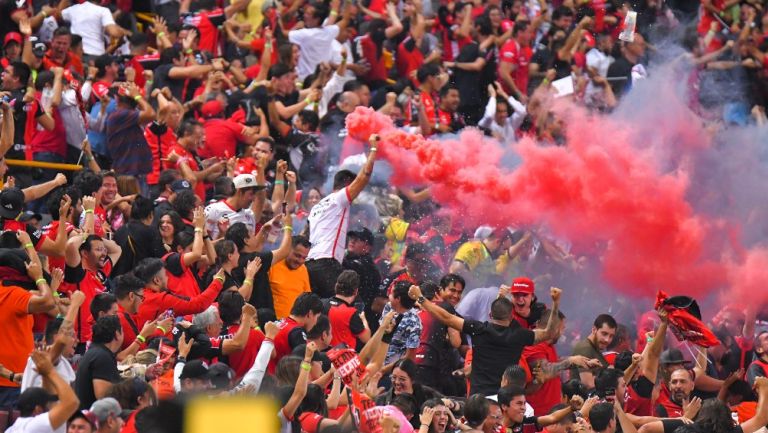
223 238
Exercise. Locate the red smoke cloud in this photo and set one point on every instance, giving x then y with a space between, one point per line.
600 192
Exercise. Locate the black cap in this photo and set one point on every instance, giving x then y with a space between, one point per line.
220 374
623 360
180 185
34 397
195 369
363 234
301 350
11 202
672 356
29 215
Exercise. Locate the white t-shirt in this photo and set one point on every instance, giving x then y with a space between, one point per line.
32 378
315 46
328 222
35 424
89 21
216 211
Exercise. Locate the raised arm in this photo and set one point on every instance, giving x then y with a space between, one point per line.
57 248
364 175
649 366
68 402
554 320
761 417
440 314
240 340
301 383
255 374
7 129
198 220
43 301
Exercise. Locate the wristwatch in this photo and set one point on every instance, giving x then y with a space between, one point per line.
421 299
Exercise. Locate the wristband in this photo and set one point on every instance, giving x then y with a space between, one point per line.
161 34
45 14
307 101
56 294
149 82
198 230
248 281
137 98
306 366
39 280
189 51
334 13
545 81
181 359
374 148
279 182
28 245
220 278
88 211
162 329
141 339
288 228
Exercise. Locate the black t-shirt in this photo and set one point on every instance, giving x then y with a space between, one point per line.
468 82
495 347
621 72
370 278
97 363
434 349
162 80
261 297
530 424
138 242
8 237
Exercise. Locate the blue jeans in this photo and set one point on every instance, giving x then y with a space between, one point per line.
8 397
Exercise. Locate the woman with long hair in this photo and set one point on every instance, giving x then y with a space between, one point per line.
133 394
168 225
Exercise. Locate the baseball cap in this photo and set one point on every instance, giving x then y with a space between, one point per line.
104 408
11 202
195 369
363 234
180 185
34 397
590 40
86 415
212 108
522 285
100 89
220 374
38 47
246 181
12 37
30 215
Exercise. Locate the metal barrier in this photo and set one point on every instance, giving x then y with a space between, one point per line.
45 165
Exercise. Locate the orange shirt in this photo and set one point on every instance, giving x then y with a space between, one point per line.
286 286
18 341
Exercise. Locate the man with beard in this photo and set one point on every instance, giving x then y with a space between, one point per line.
759 367
680 389
592 347
289 278
89 262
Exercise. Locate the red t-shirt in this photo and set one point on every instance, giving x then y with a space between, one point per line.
408 61
282 345
310 422
242 361
38 138
512 52
221 137
91 284
638 398
549 393
167 141
378 70
207 23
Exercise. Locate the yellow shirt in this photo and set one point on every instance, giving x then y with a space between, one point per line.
478 259
286 286
252 15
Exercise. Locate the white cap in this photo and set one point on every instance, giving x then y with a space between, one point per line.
246 181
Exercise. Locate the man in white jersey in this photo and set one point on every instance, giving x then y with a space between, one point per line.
248 192
328 224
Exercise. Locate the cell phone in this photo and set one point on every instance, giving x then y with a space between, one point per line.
285 208
109 235
610 394
359 306
167 314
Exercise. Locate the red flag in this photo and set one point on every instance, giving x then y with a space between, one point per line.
685 320
347 364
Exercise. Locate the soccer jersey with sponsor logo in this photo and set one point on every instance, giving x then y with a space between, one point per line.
328 224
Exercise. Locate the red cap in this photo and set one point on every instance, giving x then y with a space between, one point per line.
13 37
100 89
507 25
522 285
212 108
590 40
